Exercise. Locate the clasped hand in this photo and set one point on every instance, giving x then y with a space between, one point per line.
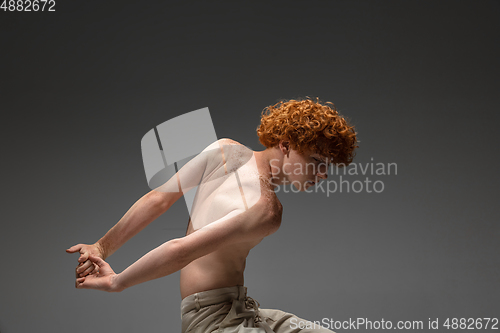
92 271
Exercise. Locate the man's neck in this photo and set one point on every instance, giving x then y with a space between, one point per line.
270 161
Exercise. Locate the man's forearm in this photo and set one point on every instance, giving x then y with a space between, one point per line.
143 212
162 261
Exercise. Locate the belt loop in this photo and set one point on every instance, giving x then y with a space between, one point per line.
197 302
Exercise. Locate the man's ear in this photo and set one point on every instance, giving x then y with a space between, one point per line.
285 147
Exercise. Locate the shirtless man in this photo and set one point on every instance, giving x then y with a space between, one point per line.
234 209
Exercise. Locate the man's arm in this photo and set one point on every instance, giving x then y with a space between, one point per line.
142 213
149 207
257 222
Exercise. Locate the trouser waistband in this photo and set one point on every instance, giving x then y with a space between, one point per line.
211 297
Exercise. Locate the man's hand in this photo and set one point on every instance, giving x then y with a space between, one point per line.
86 266
104 279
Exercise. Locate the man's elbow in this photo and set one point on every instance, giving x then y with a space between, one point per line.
162 200
179 253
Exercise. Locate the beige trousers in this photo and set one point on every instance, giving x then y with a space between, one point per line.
230 310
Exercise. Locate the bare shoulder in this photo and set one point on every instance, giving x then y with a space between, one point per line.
227 141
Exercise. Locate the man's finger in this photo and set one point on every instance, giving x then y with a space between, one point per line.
97 260
79 282
74 248
83 257
83 266
96 269
88 270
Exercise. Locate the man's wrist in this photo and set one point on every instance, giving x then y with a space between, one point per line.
101 250
117 283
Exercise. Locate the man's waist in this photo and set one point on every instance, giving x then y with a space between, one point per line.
214 296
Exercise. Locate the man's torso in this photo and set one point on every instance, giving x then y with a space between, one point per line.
233 186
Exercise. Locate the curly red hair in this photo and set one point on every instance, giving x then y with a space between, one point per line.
309 125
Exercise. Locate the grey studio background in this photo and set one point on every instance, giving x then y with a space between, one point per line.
419 79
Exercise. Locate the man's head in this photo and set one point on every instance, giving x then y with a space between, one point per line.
309 125
309 130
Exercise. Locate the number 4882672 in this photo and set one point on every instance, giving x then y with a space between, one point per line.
28 5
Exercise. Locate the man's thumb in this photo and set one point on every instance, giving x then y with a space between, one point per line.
73 249
97 260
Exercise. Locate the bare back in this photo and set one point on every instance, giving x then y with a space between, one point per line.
234 184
